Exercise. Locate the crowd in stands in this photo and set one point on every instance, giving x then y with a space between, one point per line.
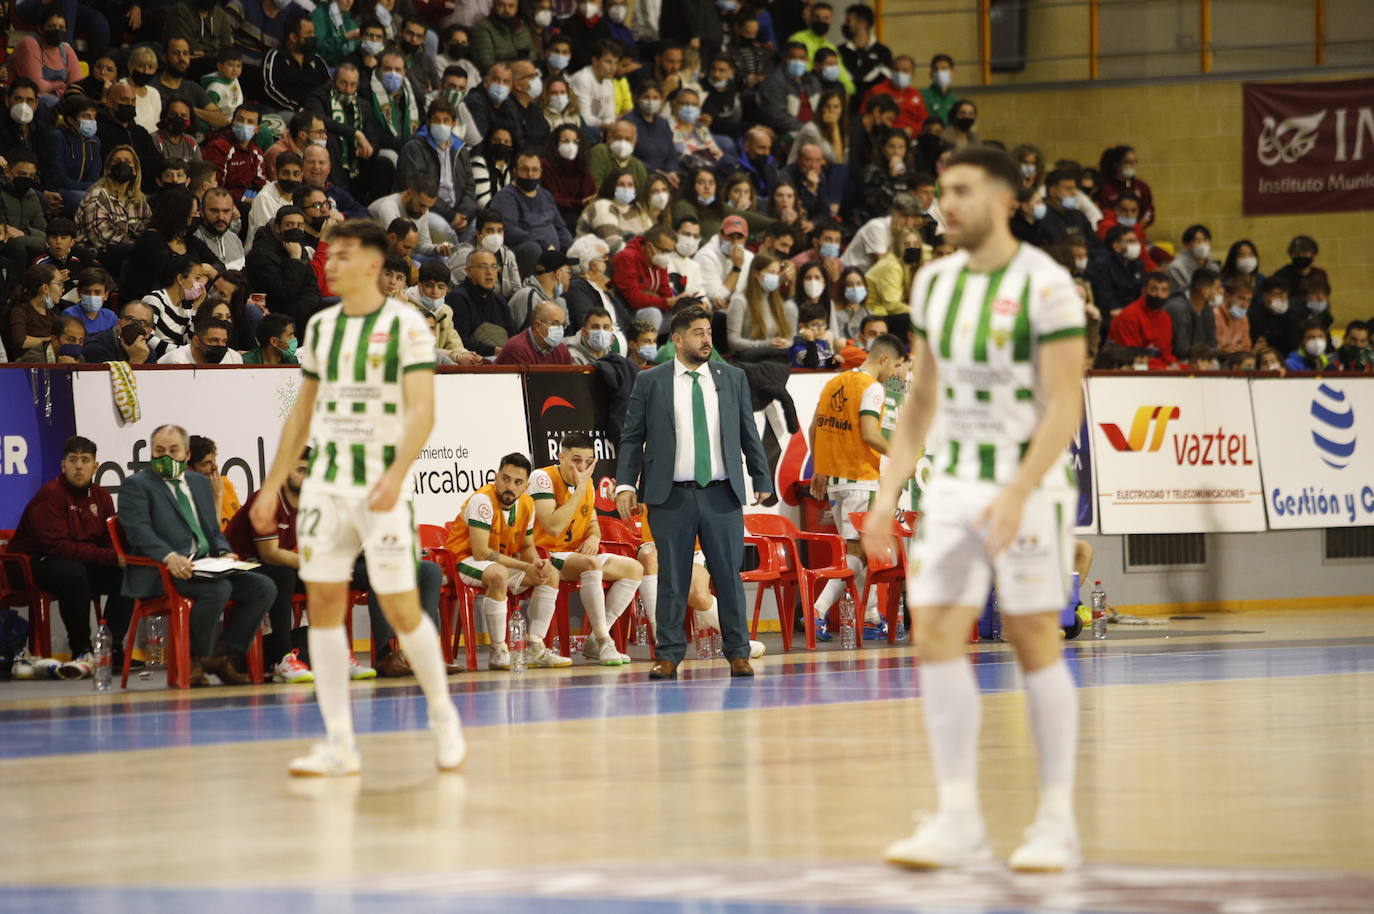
554 178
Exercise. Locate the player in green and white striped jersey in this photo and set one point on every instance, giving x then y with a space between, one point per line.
366 407
996 365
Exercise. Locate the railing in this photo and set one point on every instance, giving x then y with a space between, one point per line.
1010 41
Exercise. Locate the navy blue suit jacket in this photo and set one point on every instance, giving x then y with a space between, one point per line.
155 527
648 443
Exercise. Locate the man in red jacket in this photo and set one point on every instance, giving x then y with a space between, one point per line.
237 157
1144 324
911 110
640 274
63 531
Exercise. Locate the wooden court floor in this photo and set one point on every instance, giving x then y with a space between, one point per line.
1227 764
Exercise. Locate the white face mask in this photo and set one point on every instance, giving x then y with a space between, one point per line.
770 281
813 288
1218 299
599 340
1238 311
1127 174
617 13
658 201
1131 251
568 150
558 102
493 242
687 244
943 78
1279 306
543 18
661 260
1247 264
1080 264
1315 346
21 113
591 10
1200 250
1317 305
621 149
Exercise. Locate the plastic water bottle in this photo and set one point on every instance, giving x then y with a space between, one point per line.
516 638
703 642
157 640
717 644
641 623
102 651
1099 612
849 638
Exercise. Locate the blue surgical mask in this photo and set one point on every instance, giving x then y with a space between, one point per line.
769 281
1237 311
796 68
86 127
372 48
648 352
726 247
555 334
244 132
855 294
559 62
431 304
392 81
707 201
830 249
92 304
1317 305
1128 221
498 93
831 73
688 114
624 195
1039 210
599 340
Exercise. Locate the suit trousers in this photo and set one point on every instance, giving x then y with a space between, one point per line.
713 515
74 584
252 594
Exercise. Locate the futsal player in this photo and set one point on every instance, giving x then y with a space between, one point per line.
847 445
565 524
366 405
998 354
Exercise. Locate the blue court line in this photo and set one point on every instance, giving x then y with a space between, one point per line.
99 726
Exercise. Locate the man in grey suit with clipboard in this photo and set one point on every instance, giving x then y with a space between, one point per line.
686 425
168 515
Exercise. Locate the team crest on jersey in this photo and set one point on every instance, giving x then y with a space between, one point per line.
484 511
1008 306
838 399
380 338
306 552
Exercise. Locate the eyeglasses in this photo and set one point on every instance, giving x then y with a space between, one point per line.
323 204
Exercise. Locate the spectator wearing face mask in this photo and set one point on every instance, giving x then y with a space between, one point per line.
437 154
237 157
911 108
939 96
889 279
815 38
789 94
640 274
1116 273
1192 313
209 345
541 343
591 289
618 152
1314 292
173 139
1355 353
561 108
491 238
1273 321
846 315
566 175
725 261
594 85
547 283
1125 211
336 31
1231 317
1026 220
653 144
276 339
1302 252
1311 352
759 320
1196 255
93 287
1062 220
1145 324
1118 168
617 213
77 150
959 132
594 341
279 266
502 37
1242 259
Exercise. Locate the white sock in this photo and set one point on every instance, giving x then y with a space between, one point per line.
426 658
494 611
1052 706
830 593
953 713
542 604
648 594
329 653
594 603
619 598
709 617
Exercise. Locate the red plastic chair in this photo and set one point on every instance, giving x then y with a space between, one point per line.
887 577
808 579
455 607
178 609
769 580
18 590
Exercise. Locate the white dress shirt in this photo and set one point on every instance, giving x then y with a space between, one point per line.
172 486
595 97
715 269
184 355
685 462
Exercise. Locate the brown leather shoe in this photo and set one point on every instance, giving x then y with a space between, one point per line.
198 679
740 667
223 667
663 669
394 666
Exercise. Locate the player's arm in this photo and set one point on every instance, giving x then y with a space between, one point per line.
417 387
533 563
871 430
592 544
906 446
550 516
295 433
479 541
818 479
271 553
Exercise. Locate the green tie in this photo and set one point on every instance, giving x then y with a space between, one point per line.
184 503
700 436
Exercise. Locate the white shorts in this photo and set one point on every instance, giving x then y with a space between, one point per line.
471 571
949 566
332 529
558 558
845 500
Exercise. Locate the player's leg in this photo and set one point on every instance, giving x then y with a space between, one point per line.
392 555
625 575
586 570
647 557
950 582
1042 554
542 605
843 502
329 543
494 580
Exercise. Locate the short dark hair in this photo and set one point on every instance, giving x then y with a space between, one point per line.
206 322
423 184
575 440
200 447
1193 231
367 233
882 102
609 46
488 216
888 341
287 159
1313 323
300 121
1058 176
174 269
869 319
1202 279
659 233
22 82
1116 232
860 11
95 276
272 325
1357 325
941 58
1315 281
687 317
680 221
435 271
1302 243
290 210
516 459
61 226
812 311
76 444
995 163
1157 276
595 312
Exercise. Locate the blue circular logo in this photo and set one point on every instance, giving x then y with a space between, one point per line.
1333 430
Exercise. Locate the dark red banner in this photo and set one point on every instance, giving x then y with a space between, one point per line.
1308 147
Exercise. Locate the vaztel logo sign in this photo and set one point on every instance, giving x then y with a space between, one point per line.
1333 431
1160 416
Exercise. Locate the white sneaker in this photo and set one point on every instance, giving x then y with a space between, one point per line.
499 657
326 760
357 670
449 746
940 841
77 668
757 649
1050 847
591 648
607 655
22 668
292 669
45 668
539 655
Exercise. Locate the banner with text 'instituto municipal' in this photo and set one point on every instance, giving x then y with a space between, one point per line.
1175 455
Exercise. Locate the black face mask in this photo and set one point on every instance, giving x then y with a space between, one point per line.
21 186
131 334
963 123
408 47
316 224
527 184
1155 302
911 255
820 28
215 354
457 51
308 45
125 113
847 32
53 37
1302 263
286 185
121 172
500 151
295 236
141 79
175 126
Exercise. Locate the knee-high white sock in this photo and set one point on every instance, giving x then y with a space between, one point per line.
619 598
829 595
329 653
953 714
709 617
426 657
594 603
648 593
542 603
494 611
1052 706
